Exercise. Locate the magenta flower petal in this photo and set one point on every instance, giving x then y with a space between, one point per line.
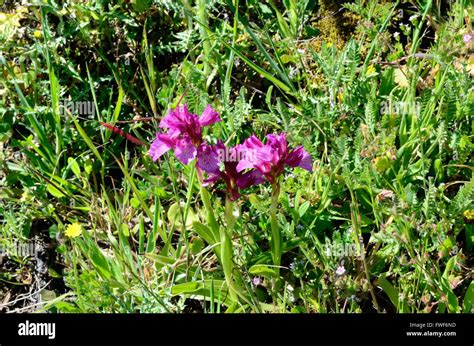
220 162
244 164
300 157
182 114
209 117
278 143
211 178
180 121
248 179
306 162
271 158
161 145
170 120
184 136
252 142
266 155
208 159
184 150
249 153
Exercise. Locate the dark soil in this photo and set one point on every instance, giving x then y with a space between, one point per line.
25 280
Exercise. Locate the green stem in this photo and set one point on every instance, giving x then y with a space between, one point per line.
276 234
203 17
224 236
229 214
233 278
206 200
226 248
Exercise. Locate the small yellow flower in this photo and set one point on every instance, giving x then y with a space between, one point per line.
38 34
469 214
371 71
73 230
340 97
329 44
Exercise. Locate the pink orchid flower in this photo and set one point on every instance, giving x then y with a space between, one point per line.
271 158
220 162
184 134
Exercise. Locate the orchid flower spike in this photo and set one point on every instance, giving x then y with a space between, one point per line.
184 133
271 158
220 162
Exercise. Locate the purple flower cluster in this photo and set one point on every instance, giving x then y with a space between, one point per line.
270 159
241 166
184 133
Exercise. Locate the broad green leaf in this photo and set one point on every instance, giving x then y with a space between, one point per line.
204 232
262 269
174 215
76 169
389 289
54 191
468 301
303 208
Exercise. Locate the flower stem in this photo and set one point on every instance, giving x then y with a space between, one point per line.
224 236
233 278
276 234
226 248
206 200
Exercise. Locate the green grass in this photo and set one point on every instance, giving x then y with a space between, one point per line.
386 112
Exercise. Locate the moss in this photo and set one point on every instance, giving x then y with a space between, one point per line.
333 26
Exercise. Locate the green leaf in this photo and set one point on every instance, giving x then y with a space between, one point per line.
263 270
204 232
58 303
160 259
453 305
312 32
303 208
389 289
134 202
90 249
174 215
204 288
5 131
54 191
468 301
188 287
449 267
53 273
265 9
287 86
196 246
125 230
76 169
86 139
118 106
88 166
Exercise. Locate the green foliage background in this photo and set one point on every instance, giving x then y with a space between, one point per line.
379 93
